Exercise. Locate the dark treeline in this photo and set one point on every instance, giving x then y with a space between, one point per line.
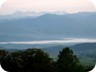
36 60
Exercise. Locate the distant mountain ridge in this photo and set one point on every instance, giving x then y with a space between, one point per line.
49 26
20 14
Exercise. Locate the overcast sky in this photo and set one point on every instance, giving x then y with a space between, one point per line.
69 6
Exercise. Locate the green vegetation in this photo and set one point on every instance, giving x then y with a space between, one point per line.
36 60
3 53
67 62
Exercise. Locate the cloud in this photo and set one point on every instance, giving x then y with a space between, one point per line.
67 40
47 5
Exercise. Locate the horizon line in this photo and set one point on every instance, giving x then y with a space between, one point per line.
47 12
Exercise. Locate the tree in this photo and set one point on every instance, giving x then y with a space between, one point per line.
68 62
30 60
3 53
35 60
11 61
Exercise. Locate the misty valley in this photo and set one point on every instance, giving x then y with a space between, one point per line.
71 34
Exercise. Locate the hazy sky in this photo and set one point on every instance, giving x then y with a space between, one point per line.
70 6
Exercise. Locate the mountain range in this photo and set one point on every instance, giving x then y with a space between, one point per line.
48 27
19 14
